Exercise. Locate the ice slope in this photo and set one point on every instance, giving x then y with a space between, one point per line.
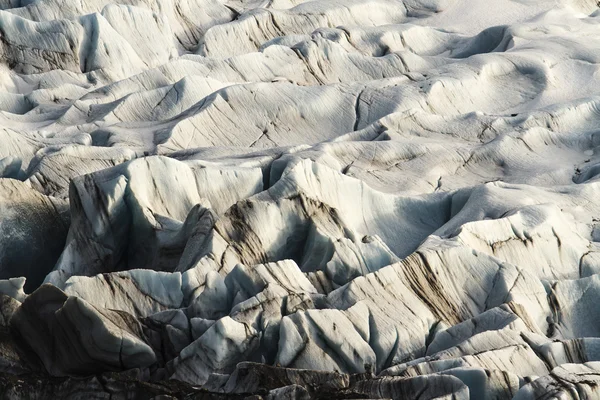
295 199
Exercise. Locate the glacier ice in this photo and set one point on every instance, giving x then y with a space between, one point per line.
298 199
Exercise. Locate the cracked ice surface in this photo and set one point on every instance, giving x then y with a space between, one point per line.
296 199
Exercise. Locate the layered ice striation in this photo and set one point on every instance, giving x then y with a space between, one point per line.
289 199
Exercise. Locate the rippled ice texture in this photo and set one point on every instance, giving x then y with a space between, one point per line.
374 198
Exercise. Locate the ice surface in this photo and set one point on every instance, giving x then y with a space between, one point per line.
295 199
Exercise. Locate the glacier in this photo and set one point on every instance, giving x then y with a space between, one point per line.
300 199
